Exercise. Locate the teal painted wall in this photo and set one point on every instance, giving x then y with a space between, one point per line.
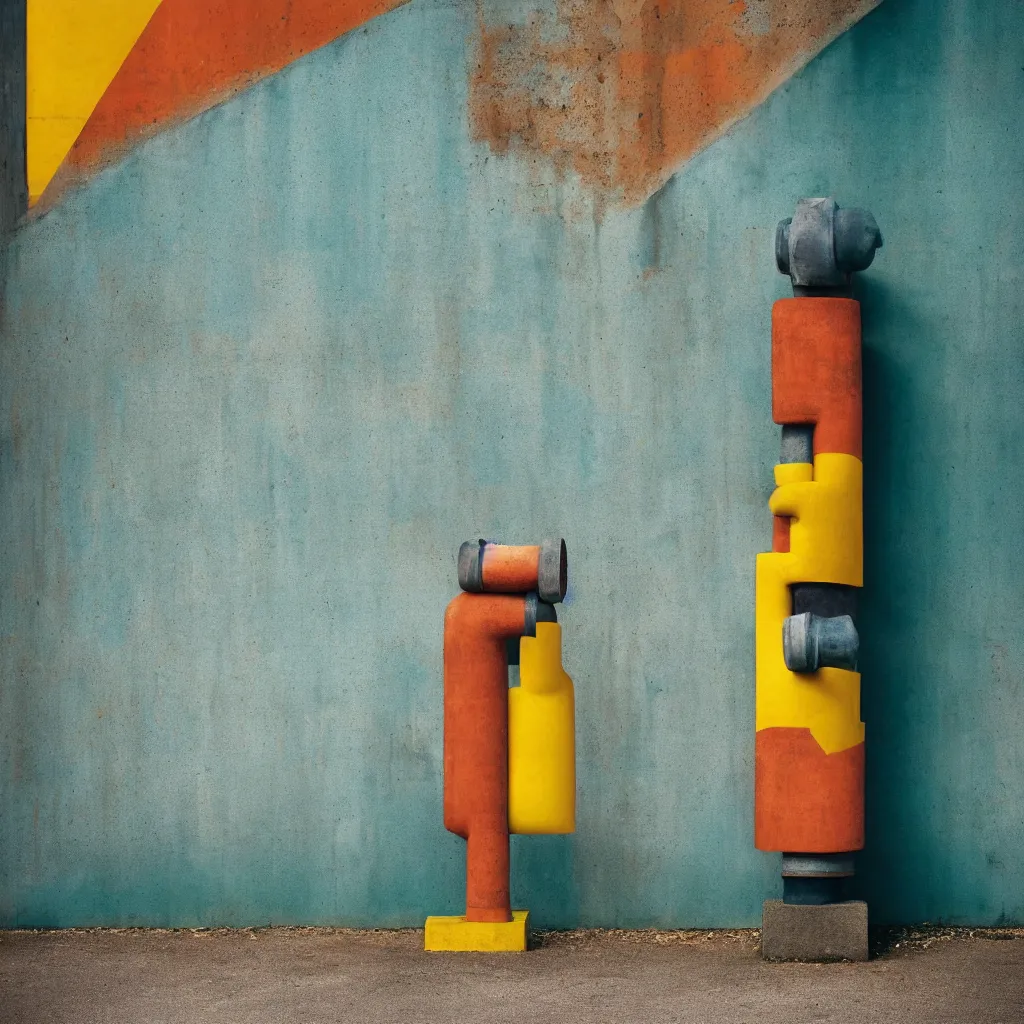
260 380
13 187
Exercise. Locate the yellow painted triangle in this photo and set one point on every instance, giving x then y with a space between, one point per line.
74 49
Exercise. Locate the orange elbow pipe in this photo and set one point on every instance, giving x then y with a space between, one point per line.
514 569
476 742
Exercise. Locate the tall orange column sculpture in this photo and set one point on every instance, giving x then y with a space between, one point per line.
809 745
509 593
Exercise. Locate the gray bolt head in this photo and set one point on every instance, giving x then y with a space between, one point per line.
810 642
553 571
470 565
821 245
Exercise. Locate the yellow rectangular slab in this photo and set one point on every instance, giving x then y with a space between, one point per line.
457 935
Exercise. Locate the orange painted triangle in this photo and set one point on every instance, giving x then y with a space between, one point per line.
73 52
647 83
194 54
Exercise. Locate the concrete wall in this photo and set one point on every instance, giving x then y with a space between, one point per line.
258 381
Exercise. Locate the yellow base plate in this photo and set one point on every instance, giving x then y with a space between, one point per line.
457 935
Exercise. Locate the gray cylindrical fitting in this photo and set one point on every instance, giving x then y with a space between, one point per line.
812 260
817 865
537 611
810 642
821 245
471 566
553 571
782 245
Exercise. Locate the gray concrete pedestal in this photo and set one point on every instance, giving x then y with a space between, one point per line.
831 931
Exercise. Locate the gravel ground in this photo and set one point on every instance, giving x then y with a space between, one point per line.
311 975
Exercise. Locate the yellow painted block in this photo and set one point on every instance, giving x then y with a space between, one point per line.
541 739
457 935
826 546
826 529
73 51
793 473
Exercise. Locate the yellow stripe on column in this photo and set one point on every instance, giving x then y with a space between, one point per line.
825 546
74 49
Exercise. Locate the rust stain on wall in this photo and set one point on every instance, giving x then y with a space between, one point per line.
622 92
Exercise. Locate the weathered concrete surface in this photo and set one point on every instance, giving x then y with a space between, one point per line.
310 976
835 931
621 92
259 381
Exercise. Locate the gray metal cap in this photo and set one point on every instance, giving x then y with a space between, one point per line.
553 571
821 245
471 566
537 611
817 865
810 642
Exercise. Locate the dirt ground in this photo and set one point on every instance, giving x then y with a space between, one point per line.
311 975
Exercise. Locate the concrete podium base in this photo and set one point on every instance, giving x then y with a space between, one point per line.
832 931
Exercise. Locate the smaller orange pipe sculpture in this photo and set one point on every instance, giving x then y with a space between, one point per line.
508 589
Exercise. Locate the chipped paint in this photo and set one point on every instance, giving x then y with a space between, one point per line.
621 92
73 52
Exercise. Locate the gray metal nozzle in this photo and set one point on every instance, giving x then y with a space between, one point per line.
553 571
537 611
821 245
471 566
810 642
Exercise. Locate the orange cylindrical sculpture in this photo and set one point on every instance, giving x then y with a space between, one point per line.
809 737
476 627
507 591
809 746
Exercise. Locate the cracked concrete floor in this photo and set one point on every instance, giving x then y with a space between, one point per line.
313 975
